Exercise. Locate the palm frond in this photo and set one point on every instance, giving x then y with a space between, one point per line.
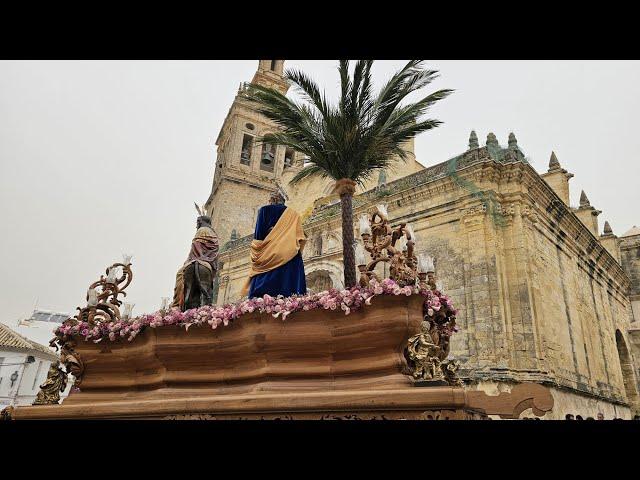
310 90
359 136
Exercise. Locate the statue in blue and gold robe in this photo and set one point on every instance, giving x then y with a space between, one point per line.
276 252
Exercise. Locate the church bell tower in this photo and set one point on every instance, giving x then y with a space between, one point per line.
246 171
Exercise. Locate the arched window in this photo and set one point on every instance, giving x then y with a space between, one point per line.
626 364
289 155
245 152
268 157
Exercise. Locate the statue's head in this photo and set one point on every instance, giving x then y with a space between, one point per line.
278 197
203 221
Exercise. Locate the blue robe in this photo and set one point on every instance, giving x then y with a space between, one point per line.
285 280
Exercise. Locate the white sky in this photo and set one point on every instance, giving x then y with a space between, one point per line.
103 157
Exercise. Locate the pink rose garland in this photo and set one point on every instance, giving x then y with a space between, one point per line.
436 306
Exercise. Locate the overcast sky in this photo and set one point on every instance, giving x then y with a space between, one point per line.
103 157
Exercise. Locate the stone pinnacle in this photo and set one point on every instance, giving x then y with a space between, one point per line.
473 140
584 201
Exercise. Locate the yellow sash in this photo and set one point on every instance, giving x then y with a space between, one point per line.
282 243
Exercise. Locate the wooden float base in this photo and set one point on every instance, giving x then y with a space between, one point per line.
395 404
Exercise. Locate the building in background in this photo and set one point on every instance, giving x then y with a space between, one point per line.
542 295
24 364
629 244
630 258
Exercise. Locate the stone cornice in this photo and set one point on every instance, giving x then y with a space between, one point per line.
424 178
232 245
248 178
588 244
627 243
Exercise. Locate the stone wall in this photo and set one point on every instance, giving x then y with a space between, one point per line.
539 298
630 259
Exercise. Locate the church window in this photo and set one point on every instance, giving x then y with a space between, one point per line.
268 157
288 157
250 126
245 153
273 65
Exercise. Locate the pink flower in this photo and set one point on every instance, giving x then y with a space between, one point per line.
348 300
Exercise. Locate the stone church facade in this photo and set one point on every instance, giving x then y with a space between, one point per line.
542 295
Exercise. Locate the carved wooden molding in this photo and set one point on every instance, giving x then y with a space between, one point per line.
409 403
512 404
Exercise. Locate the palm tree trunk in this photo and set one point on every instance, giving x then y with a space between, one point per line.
348 253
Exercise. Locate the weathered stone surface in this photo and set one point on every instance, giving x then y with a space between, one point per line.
540 294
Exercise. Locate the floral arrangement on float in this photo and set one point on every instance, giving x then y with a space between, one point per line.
436 306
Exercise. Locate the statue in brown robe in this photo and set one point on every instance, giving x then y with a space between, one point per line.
194 281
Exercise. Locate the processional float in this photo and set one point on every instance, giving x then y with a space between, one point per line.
299 357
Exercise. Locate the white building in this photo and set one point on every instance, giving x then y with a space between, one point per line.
24 365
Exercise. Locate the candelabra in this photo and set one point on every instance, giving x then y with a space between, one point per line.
427 351
102 297
393 245
426 272
102 306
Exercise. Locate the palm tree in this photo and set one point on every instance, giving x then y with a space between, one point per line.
354 139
